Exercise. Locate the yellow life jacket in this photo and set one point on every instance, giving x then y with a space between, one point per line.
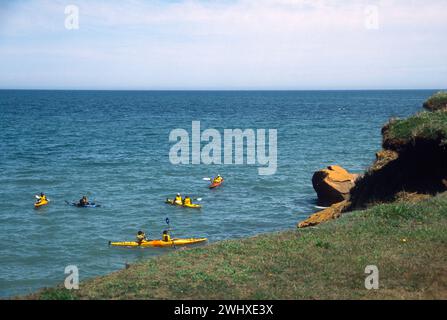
166 237
42 198
178 199
217 179
187 201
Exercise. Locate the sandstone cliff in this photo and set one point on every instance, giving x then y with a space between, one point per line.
411 166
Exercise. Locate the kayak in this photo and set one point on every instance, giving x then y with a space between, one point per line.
90 205
158 243
215 184
193 205
40 203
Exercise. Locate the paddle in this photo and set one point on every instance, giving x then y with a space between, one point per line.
169 229
207 179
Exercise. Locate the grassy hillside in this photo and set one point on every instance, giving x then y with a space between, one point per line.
407 242
424 125
437 101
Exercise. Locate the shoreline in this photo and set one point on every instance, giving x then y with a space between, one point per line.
310 263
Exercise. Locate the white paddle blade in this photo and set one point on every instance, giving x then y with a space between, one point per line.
207 179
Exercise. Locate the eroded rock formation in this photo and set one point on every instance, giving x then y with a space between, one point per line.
333 184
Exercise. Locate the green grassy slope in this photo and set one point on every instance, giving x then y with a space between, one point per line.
437 101
424 125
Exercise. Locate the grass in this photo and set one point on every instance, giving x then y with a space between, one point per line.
437 101
424 125
406 241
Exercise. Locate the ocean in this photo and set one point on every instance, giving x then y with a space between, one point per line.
113 146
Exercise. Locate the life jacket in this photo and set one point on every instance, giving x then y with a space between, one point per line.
187 201
217 179
178 199
42 198
166 237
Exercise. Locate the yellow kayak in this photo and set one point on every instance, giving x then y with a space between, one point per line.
40 203
158 243
192 205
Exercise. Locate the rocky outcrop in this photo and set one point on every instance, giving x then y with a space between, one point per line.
411 167
333 184
383 157
413 159
417 167
330 213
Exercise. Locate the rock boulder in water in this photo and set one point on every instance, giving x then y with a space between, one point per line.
333 184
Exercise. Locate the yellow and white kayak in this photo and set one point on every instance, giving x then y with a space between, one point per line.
40 203
158 243
192 205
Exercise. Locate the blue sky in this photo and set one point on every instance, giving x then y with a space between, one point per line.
239 44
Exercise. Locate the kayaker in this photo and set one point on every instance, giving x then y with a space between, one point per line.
141 236
187 201
83 201
166 237
218 179
41 198
178 199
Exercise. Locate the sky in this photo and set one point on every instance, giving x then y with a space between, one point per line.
232 44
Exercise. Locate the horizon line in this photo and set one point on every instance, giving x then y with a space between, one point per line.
217 89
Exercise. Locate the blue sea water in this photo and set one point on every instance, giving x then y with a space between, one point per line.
114 147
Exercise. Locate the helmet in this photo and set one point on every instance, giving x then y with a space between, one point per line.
178 194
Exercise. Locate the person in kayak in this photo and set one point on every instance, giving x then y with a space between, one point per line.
41 198
217 179
178 199
166 237
141 236
187 201
83 201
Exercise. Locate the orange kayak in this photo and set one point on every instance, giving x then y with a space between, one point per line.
215 184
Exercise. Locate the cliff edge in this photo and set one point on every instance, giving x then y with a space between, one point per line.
412 164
